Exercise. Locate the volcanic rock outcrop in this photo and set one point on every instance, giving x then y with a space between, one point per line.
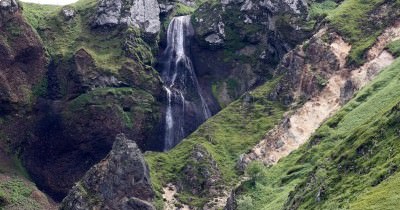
120 181
143 14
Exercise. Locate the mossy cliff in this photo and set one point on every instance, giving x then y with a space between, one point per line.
246 41
22 72
226 136
89 82
74 77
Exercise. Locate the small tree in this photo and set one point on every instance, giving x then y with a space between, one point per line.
245 203
256 171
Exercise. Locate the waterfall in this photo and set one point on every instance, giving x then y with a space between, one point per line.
183 92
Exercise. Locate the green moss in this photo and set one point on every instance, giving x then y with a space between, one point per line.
62 38
345 163
321 9
216 89
92 199
230 133
232 86
137 48
105 96
20 168
322 82
40 89
129 104
14 30
181 9
37 14
352 19
15 193
394 48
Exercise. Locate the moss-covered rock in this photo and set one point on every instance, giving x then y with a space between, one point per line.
22 60
246 40
201 175
100 82
84 129
120 181
220 141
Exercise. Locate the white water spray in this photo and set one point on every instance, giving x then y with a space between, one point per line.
181 84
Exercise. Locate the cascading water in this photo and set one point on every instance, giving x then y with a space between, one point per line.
184 96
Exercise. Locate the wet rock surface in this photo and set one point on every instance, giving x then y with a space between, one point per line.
120 181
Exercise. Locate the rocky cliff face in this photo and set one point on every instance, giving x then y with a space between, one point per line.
92 86
306 71
23 64
120 181
138 13
22 60
246 40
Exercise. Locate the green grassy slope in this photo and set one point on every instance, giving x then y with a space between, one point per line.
62 37
235 130
360 22
230 133
346 162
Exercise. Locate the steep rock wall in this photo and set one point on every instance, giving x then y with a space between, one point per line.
239 43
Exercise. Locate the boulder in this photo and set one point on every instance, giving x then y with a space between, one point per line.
201 173
120 181
8 7
68 13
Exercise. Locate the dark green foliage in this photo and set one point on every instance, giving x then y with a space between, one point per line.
255 171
